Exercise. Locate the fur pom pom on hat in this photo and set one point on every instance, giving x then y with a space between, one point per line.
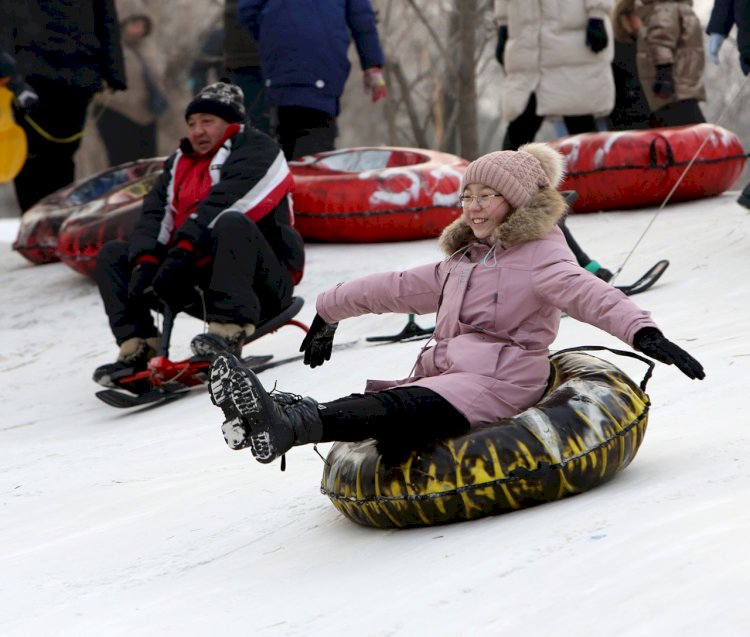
222 99
517 174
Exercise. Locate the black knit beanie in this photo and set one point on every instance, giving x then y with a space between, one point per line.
222 99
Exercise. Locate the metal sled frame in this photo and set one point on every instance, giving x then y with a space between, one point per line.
163 372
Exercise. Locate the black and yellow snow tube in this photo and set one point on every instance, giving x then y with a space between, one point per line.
586 428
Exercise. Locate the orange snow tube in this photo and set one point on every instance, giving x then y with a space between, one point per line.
376 194
634 169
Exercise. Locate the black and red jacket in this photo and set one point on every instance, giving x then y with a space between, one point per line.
246 173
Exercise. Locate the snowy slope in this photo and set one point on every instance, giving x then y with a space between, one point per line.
145 523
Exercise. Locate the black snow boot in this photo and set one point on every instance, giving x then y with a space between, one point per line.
744 198
269 423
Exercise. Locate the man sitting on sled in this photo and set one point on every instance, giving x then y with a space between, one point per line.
215 239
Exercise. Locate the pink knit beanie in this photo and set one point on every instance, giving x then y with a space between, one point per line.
515 174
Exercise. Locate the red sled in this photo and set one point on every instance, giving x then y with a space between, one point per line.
166 380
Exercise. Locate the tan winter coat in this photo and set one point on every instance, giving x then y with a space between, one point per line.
132 103
671 34
547 54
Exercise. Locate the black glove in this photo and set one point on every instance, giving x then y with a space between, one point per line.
174 282
652 343
502 40
25 95
596 35
664 83
318 342
141 278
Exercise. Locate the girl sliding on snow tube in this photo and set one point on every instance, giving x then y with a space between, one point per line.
498 294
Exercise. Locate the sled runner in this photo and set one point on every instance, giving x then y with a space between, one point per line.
165 380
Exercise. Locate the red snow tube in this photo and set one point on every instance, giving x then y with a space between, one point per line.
90 226
374 194
634 169
40 224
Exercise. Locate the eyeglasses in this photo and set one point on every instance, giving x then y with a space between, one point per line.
482 200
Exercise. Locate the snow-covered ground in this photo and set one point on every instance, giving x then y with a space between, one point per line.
145 523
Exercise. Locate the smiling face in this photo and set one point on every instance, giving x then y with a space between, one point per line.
205 131
483 221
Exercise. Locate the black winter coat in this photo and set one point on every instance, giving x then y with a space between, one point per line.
75 43
724 15
253 157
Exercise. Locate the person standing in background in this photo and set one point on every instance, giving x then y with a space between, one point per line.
127 121
304 57
724 15
671 61
208 66
556 57
66 52
15 16
631 109
242 63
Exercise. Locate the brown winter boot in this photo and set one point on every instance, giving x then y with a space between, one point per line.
134 355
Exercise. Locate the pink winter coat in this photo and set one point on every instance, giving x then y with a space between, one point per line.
498 310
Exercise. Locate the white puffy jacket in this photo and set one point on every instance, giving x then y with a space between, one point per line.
547 54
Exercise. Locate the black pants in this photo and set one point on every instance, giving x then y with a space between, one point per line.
250 80
60 113
680 113
305 131
407 415
124 139
242 281
582 258
524 128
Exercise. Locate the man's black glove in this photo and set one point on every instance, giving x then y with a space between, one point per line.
25 95
318 342
652 343
502 40
596 35
664 83
141 278
174 282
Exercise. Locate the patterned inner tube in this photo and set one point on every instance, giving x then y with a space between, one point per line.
586 428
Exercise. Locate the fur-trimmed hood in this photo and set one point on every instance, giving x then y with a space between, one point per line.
530 223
